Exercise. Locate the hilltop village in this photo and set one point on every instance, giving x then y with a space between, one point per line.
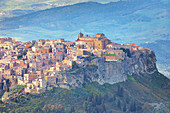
38 65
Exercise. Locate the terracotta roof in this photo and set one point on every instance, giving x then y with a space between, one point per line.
137 46
88 37
78 61
85 40
41 39
131 44
60 52
112 43
123 45
2 43
15 60
15 42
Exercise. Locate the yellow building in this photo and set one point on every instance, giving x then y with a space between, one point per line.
98 42
114 55
51 80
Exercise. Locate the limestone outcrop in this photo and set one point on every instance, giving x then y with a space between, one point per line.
101 71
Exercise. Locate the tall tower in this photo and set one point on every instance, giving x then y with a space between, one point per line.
80 35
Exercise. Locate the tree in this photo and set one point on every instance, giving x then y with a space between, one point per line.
99 99
127 51
19 56
7 89
94 102
74 65
95 110
86 98
127 100
124 108
90 97
133 107
24 53
119 104
32 111
103 107
72 110
120 91
114 97
85 106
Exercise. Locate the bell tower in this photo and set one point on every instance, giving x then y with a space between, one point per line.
80 35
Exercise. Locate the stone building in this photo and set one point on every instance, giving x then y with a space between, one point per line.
2 40
51 80
114 55
41 42
97 42
36 86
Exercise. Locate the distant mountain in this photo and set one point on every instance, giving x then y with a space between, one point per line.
143 21
132 21
6 5
9 7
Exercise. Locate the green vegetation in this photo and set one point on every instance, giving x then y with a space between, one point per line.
134 95
130 78
14 91
19 57
24 53
74 65
91 89
110 54
127 51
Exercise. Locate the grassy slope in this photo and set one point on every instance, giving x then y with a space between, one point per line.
141 90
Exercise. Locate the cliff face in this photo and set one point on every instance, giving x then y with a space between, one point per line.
101 71
142 63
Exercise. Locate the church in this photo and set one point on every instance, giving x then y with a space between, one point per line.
97 42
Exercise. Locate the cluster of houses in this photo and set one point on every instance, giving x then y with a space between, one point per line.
39 64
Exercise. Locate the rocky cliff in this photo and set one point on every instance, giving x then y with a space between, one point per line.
141 63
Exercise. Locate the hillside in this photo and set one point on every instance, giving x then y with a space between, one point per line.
131 85
40 4
138 94
11 8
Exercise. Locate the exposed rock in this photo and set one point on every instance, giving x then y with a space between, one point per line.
101 71
142 62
